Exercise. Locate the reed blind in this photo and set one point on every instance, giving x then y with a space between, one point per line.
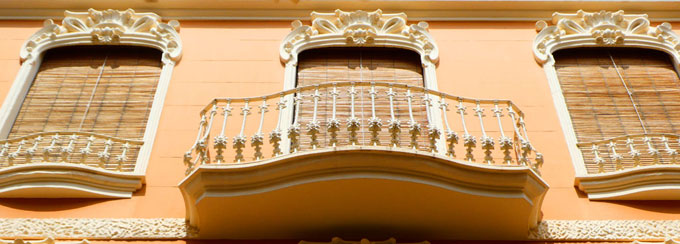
330 65
598 100
101 89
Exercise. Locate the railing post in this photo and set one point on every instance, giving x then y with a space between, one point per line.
434 131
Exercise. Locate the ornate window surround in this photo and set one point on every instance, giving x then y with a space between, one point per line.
108 27
607 29
359 29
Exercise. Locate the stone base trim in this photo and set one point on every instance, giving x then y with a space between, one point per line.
177 228
161 228
606 230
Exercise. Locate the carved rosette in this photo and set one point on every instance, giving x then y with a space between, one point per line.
604 28
359 28
108 27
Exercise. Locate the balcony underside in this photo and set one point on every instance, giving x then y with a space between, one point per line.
657 182
363 192
62 180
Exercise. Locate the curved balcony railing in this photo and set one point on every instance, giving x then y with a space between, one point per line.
83 148
630 151
362 114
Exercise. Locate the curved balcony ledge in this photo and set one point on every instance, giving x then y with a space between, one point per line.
655 182
63 164
61 180
363 191
631 167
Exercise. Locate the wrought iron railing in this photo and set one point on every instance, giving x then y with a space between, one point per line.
83 148
362 114
630 151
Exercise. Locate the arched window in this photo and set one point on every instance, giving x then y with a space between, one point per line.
614 83
87 101
104 90
620 92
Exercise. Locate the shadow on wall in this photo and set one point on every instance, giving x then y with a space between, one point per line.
39 204
58 204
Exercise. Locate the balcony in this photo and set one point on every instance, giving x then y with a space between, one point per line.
632 167
69 165
353 159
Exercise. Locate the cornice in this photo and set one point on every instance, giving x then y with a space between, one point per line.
429 10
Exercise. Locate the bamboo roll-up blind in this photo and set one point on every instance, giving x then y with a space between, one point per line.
102 89
599 104
367 65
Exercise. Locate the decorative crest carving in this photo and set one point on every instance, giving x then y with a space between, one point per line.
108 27
602 28
359 28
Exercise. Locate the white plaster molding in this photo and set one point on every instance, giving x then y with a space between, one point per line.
108 27
48 240
359 29
60 180
211 186
655 182
606 230
107 229
602 29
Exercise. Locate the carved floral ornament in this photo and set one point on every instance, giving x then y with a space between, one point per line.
359 29
108 27
604 28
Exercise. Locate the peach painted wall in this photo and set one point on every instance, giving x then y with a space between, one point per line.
222 59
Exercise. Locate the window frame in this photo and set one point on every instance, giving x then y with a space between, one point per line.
109 27
616 29
350 29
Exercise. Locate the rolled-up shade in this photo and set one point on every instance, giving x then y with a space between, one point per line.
101 89
598 100
328 65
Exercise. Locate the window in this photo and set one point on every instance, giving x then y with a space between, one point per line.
380 65
105 90
625 98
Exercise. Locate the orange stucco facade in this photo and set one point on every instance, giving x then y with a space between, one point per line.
223 58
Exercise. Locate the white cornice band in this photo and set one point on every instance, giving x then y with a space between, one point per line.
177 228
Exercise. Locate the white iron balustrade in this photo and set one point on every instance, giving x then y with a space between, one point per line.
95 150
326 124
630 151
